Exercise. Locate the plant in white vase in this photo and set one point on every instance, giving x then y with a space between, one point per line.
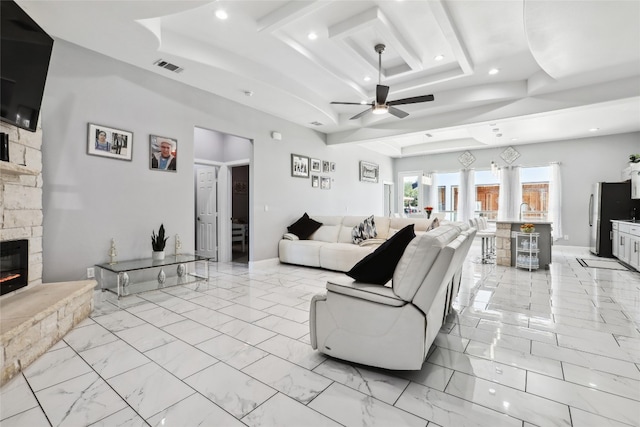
158 241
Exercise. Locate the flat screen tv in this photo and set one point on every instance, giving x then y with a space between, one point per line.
25 52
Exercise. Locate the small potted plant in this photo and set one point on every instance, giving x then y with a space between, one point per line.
158 241
634 158
428 210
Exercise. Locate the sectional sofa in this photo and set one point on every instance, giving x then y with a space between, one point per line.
331 246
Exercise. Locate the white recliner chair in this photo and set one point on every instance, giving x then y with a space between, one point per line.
394 326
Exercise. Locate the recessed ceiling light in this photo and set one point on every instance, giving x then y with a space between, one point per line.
221 14
438 57
514 139
494 71
367 78
312 36
594 129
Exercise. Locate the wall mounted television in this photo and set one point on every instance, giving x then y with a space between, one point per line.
25 53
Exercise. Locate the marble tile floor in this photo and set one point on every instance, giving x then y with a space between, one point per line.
557 347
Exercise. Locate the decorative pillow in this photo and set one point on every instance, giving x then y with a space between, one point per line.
304 227
370 242
378 266
434 224
363 231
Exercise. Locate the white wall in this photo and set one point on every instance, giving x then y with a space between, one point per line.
583 163
87 200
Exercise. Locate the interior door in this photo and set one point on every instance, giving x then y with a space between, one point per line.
207 212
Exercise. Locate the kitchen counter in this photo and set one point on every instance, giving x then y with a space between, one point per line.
506 241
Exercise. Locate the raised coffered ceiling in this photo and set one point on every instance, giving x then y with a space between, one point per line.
564 66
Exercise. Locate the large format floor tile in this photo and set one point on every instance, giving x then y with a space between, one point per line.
557 347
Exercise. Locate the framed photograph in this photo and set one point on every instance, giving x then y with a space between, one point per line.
109 142
315 181
299 166
332 167
163 153
316 165
369 172
325 183
325 167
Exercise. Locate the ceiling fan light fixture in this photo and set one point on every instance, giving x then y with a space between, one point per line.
380 109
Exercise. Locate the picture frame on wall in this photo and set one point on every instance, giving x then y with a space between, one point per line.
315 181
163 153
316 165
332 167
299 166
325 183
369 172
326 167
109 142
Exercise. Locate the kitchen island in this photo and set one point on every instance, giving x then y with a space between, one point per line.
506 250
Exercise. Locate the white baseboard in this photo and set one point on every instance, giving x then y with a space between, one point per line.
269 262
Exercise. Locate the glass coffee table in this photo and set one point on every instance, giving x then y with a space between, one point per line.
141 275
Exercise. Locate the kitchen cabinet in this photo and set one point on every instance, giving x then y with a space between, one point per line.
626 242
634 246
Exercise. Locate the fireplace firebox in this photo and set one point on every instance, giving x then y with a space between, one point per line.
14 265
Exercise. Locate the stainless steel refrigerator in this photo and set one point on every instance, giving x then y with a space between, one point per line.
609 200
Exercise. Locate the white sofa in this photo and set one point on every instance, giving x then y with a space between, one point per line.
393 326
331 246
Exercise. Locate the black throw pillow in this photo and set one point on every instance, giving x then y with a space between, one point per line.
304 227
378 266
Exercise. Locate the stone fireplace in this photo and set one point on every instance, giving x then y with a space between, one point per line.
14 265
21 195
33 316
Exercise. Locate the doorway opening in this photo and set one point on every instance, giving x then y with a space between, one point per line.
240 214
222 165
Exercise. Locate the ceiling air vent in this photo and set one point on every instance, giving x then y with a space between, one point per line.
316 123
168 66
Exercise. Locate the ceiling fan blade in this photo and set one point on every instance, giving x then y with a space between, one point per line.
357 116
349 103
412 100
381 94
398 113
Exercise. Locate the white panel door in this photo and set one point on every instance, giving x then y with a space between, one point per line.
207 212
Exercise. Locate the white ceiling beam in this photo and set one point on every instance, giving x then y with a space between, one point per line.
342 77
354 24
451 34
393 38
290 12
375 19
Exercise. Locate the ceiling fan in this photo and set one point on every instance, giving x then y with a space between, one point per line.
381 105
